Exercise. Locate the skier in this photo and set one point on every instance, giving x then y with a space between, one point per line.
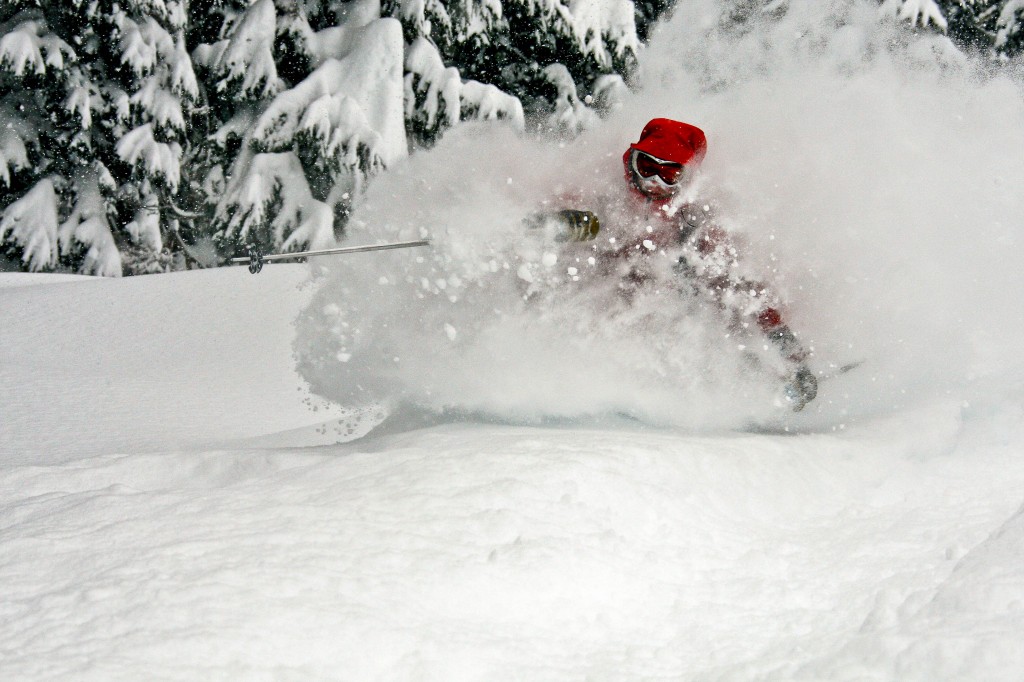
660 216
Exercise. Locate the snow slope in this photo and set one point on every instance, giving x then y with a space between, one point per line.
176 504
138 365
139 538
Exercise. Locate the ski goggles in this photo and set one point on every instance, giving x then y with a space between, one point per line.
648 166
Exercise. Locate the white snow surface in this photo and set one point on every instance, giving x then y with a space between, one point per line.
149 530
176 503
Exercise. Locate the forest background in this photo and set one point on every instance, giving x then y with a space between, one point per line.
147 136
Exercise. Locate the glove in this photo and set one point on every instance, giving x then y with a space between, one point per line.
802 388
581 226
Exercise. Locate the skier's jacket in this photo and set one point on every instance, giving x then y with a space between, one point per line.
684 228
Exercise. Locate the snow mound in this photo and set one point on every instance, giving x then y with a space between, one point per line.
487 552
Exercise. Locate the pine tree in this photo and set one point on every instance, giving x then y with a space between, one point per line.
144 135
1009 40
311 86
95 102
925 12
311 99
515 46
995 27
436 97
647 12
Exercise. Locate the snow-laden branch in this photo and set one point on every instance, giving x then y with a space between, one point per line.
599 28
914 11
246 56
144 228
485 102
570 114
452 21
144 45
341 131
173 13
261 180
444 99
609 92
31 47
345 100
333 42
600 24
33 225
439 86
350 110
88 225
83 98
163 107
138 147
14 134
1010 22
236 126
182 75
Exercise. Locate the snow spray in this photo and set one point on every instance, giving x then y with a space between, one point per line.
872 173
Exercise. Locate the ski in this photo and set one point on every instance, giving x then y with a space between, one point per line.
834 372
256 258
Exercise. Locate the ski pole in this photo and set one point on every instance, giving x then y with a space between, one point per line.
257 258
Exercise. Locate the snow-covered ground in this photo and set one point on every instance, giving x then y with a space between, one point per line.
142 537
178 503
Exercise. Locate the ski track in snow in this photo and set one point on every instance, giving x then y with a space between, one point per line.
889 550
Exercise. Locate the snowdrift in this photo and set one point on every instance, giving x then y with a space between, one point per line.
150 526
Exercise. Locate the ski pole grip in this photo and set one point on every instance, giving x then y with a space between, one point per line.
582 225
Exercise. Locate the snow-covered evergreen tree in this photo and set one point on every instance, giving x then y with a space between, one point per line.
436 97
340 91
131 132
538 50
310 96
94 101
995 26
1008 26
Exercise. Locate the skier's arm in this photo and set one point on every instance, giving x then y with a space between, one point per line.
802 386
714 263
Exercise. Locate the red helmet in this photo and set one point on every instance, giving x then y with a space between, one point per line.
666 148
